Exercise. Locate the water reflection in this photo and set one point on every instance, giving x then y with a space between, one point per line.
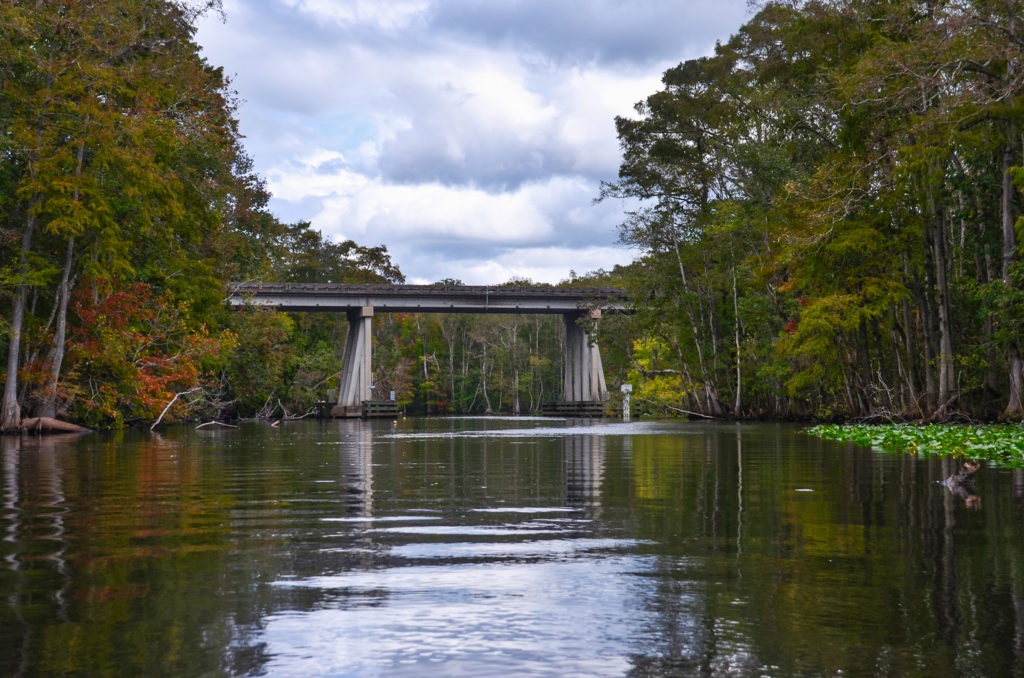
35 538
107 574
584 468
15 589
961 484
372 548
356 451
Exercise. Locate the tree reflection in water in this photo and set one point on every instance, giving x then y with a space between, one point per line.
680 549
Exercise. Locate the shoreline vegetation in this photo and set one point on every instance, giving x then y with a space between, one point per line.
1001 443
827 212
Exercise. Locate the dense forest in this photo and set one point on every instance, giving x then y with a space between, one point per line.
830 215
127 203
828 209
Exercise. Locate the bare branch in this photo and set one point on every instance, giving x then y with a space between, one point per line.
173 400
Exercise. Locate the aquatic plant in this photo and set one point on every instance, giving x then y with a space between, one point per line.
999 442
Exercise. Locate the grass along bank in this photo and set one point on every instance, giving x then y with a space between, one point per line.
1003 443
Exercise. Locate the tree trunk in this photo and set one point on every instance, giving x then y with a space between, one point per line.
1008 222
539 400
515 391
483 378
48 425
1014 406
736 329
10 418
710 396
947 383
48 407
910 382
927 341
450 338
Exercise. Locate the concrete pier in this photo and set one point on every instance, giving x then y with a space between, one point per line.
583 380
357 368
584 375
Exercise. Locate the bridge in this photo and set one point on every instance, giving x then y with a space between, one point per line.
583 383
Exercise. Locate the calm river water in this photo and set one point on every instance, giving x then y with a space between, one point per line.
502 547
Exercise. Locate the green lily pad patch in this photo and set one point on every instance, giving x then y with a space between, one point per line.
997 442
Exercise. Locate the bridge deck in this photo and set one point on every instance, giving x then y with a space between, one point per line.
428 298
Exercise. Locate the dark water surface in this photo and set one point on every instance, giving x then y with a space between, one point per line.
502 547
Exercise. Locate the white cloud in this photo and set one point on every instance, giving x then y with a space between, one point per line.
539 264
386 16
461 134
438 213
296 183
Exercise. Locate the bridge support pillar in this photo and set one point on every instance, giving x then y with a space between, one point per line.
583 380
357 373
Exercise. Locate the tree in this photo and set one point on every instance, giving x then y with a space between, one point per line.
123 143
827 205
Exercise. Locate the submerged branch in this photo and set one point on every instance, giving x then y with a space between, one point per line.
214 422
678 409
173 400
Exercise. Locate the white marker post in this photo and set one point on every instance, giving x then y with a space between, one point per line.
626 390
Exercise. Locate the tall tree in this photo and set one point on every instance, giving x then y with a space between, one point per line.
123 141
835 185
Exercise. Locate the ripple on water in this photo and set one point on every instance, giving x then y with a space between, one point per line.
379 519
464 598
534 549
610 429
479 619
483 530
526 509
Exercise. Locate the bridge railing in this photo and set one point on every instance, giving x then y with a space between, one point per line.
606 293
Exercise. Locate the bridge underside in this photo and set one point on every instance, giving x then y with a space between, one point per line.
583 379
583 383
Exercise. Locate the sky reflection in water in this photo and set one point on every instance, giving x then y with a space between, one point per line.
502 547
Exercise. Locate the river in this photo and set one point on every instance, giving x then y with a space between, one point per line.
502 547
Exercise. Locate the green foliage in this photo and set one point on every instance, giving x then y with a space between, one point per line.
821 212
653 388
819 207
121 169
306 256
130 352
1003 443
256 368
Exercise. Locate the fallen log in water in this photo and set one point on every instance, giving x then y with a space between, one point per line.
214 422
50 425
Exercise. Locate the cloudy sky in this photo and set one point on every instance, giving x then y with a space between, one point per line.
470 137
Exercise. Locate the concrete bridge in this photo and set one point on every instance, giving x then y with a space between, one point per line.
583 380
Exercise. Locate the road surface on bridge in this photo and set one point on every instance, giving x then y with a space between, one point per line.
428 298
